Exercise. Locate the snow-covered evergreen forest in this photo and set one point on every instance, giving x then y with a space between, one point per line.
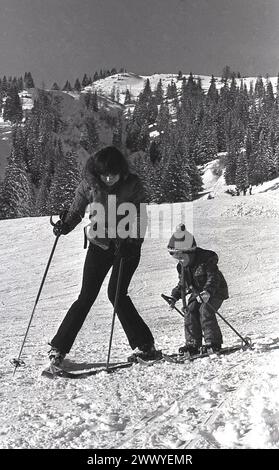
168 128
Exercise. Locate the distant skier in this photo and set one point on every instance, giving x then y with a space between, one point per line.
200 281
106 174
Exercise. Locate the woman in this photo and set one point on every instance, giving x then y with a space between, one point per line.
107 184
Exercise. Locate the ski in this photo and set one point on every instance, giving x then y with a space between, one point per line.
149 363
182 359
53 372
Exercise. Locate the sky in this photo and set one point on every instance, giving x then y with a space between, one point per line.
58 40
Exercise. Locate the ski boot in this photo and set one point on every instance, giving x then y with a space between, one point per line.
189 350
211 348
56 357
146 352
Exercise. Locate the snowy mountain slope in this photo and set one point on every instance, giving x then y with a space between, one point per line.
120 83
226 402
214 185
135 83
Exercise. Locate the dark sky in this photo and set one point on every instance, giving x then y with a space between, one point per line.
62 39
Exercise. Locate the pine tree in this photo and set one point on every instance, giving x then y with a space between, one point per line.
179 75
143 140
85 81
42 198
141 111
182 147
20 84
241 107
66 179
212 93
152 110
169 92
276 158
117 133
77 85
55 87
67 86
259 91
154 152
87 99
159 93
17 200
117 95
241 173
94 102
132 136
277 92
90 137
233 92
28 80
163 119
268 101
127 97
176 182
4 84
112 93
147 93
13 108
226 74
207 143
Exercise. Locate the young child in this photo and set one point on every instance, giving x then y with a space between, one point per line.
202 288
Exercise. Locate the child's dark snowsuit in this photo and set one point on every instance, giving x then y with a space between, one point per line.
202 275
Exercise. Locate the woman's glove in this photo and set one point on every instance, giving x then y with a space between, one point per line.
61 227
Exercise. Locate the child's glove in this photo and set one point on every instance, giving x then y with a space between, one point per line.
203 297
172 302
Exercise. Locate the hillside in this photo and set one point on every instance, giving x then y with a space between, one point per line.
227 402
73 110
135 83
214 186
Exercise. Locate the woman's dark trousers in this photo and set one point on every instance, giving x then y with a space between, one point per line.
97 264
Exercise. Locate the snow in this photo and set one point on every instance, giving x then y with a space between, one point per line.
267 195
26 99
217 402
135 83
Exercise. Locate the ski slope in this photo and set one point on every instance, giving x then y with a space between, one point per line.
226 402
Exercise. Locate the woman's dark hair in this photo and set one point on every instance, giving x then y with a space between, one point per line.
108 160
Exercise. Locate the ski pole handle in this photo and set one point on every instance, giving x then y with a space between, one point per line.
169 301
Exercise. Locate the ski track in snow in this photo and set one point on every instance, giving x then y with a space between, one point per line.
217 402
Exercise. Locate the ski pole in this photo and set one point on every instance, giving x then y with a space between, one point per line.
246 341
169 301
119 278
18 361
